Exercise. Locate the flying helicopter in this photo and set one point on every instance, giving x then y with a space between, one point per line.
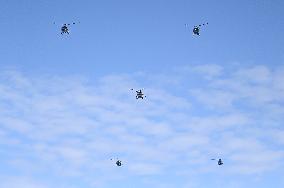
196 28
139 94
118 162
65 27
220 162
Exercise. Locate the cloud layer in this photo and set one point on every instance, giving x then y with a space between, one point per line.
64 130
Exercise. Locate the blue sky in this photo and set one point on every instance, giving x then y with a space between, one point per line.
66 107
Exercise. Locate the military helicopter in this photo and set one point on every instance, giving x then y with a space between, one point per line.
220 162
196 29
65 28
139 94
118 162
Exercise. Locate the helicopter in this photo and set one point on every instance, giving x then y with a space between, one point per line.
118 162
139 94
65 28
220 162
196 28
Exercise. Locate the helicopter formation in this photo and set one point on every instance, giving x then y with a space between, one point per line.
65 29
119 162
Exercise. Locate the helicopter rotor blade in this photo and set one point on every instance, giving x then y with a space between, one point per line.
203 24
73 23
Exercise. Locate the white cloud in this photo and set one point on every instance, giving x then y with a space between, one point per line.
209 71
21 182
71 127
255 75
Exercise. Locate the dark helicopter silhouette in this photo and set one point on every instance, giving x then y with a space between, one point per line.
220 162
65 28
196 28
118 162
139 94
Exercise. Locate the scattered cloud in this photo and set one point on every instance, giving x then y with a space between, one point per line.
71 126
